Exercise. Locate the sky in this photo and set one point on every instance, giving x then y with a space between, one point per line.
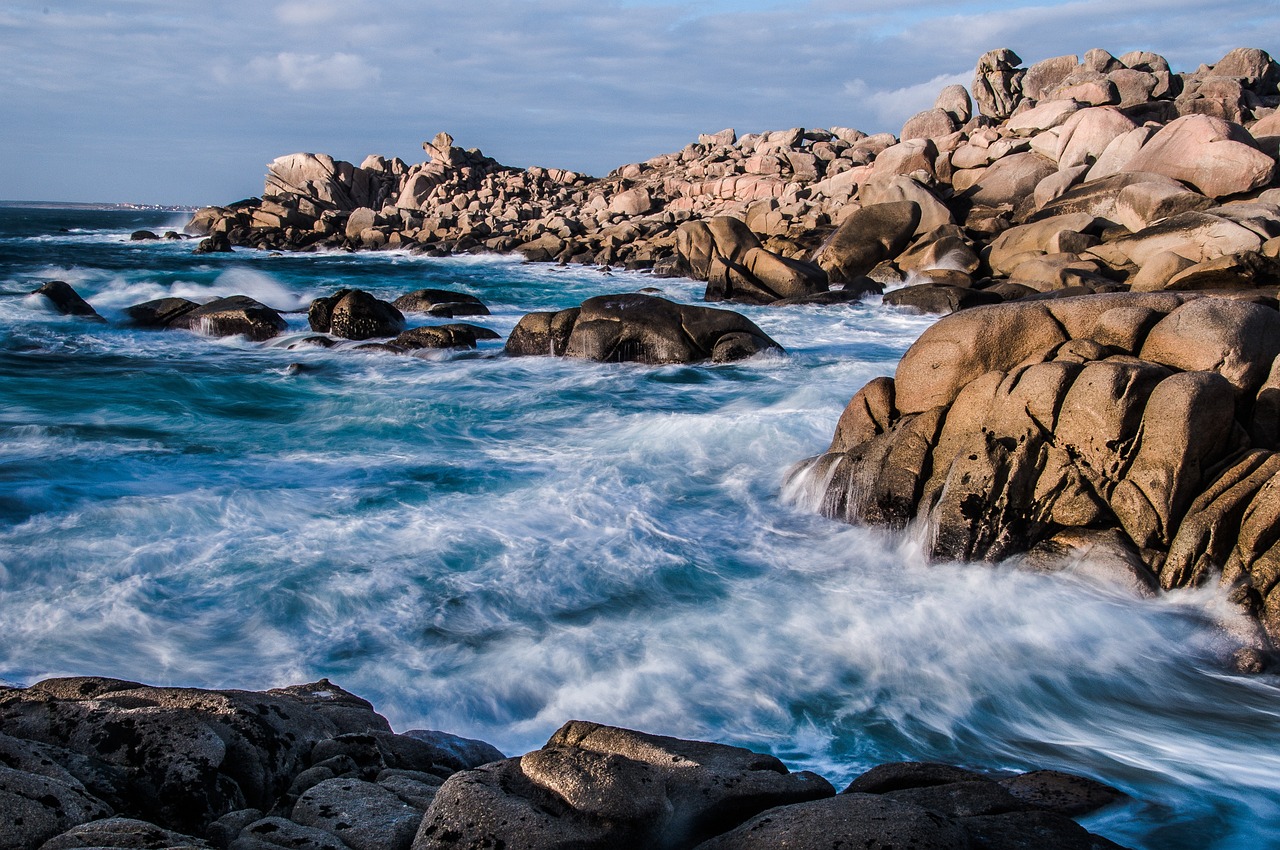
172 102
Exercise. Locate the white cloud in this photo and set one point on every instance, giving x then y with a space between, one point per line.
313 72
308 13
892 107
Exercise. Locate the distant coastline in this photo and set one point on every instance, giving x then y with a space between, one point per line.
86 205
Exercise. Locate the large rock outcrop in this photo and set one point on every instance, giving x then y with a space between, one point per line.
1013 426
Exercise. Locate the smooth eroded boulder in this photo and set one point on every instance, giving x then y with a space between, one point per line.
236 315
596 786
159 313
354 314
441 302
1215 156
868 237
641 328
454 335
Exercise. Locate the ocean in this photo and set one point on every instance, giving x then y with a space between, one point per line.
492 546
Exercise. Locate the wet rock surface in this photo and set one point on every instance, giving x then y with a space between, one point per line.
103 763
640 328
1144 415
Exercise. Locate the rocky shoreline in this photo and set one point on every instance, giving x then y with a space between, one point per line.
103 763
1118 162
1107 234
1115 225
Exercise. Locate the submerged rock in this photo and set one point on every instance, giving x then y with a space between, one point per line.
67 301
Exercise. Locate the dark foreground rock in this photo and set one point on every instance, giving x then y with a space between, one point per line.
1147 422
640 328
103 763
599 786
67 301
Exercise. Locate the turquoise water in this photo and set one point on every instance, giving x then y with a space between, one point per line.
493 546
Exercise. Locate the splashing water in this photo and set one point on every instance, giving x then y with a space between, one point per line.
494 545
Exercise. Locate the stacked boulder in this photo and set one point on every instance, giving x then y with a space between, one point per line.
98 763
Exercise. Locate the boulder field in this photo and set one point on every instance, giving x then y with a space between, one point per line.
104 763
1073 175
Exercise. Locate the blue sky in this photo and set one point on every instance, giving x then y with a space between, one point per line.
173 102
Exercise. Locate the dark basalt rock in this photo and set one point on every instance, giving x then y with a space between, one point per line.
849 820
217 243
354 314
123 834
159 313
458 335
67 301
364 815
454 752
640 328
961 799
1041 830
442 303
232 316
895 776
142 236
1060 792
